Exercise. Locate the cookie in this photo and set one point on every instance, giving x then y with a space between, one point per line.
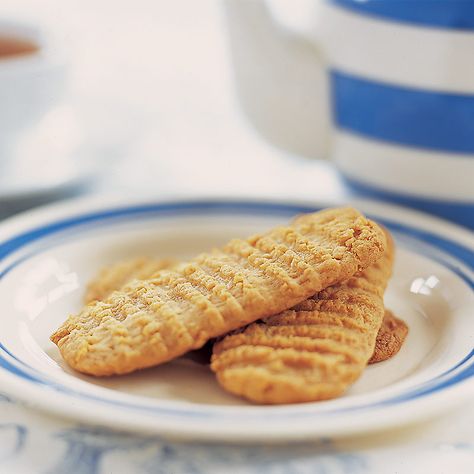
151 321
116 276
390 338
314 351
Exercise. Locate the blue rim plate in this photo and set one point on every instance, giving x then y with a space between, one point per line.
47 256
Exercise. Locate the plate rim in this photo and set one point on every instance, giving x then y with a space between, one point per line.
92 205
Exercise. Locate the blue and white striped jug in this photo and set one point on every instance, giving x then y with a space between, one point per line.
383 87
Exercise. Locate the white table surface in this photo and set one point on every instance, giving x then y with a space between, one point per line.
166 122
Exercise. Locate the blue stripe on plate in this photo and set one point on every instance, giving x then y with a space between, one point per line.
411 117
452 14
459 212
445 380
17 367
163 209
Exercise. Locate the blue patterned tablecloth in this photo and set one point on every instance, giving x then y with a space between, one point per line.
32 442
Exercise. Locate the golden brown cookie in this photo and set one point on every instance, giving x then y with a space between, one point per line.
155 320
116 276
313 351
389 341
390 338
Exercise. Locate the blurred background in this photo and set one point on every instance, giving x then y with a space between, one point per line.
149 107
240 98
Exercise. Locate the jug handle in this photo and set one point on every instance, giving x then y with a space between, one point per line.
281 79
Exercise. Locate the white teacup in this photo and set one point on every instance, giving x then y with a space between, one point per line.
385 88
32 79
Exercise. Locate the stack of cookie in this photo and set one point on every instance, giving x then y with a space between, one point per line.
297 311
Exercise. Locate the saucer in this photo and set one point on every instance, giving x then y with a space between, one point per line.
49 159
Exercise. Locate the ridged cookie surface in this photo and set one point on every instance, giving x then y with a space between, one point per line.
314 351
116 276
155 320
390 337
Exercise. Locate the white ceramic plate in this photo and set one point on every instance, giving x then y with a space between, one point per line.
46 258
